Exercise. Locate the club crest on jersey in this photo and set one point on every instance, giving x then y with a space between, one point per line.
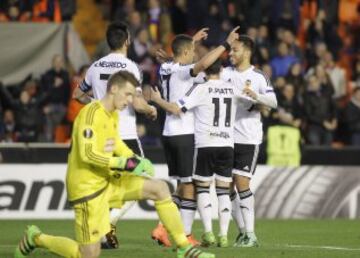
88 133
248 82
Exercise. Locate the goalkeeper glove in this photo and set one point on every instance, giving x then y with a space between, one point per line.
137 165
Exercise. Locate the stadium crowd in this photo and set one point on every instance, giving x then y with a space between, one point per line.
309 49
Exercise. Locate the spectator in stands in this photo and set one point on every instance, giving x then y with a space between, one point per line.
281 63
320 114
14 13
179 17
315 53
352 114
279 84
289 111
28 114
9 127
324 79
143 53
290 40
56 84
262 54
154 13
75 106
296 78
337 76
321 30
135 23
214 21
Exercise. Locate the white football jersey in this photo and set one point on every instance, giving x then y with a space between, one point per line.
96 79
176 80
248 126
214 105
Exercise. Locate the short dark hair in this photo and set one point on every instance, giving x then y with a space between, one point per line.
247 42
178 44
214 68
116 35
120 78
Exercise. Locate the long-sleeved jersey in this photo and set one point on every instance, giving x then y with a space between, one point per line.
94 147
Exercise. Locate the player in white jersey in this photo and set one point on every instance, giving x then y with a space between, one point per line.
177 78
118 39
213 104
248 133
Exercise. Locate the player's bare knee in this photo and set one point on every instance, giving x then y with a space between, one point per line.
160 190
222 184
188 191
242 182
90 251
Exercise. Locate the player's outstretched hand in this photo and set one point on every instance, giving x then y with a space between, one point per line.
153 113
161 56
154 94
137 165
201 34
144 168
233 35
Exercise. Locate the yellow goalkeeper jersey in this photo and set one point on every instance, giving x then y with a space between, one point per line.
94 145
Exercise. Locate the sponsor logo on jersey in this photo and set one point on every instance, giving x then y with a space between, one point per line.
107 64
224 135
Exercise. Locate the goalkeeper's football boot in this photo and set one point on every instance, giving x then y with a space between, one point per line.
223 241
191 252
250 240
239 239
110 240
208 239
192 240
160 235
27 244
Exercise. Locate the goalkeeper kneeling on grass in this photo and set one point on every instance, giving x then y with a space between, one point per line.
102 169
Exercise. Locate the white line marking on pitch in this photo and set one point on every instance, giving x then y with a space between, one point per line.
324 247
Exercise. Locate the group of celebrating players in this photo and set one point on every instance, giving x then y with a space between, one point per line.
212 130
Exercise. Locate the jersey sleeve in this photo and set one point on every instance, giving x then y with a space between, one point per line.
185 72
265 86
86 84
135 70
122 150
87 139
266 95
192 98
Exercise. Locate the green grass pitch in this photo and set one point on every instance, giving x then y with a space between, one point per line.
278 239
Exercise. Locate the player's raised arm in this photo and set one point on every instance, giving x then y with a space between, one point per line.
141 106
170 107
213 55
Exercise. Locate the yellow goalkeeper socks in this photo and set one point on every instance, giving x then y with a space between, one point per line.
170 217
62 246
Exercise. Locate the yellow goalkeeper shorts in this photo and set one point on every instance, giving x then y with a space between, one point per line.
92 217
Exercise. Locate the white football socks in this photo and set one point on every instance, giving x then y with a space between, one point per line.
224 209
187 211
204 206
236 212
116 214
247 203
